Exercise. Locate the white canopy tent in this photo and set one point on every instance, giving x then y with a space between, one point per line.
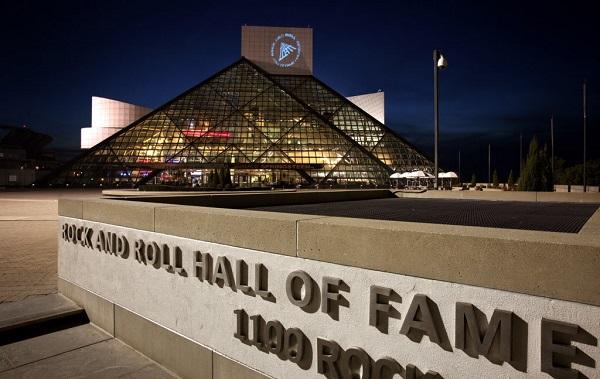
448 175
413 178
416 174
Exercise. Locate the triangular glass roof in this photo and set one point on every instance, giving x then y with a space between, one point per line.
243 118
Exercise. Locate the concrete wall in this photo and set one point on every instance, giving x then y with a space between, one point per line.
223 199
533 274
250 199
564 197
575 188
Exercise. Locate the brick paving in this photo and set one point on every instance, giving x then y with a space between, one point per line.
28 242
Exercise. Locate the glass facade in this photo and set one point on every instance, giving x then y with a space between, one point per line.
260 128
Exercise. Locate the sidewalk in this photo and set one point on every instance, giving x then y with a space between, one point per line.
51 337
28 242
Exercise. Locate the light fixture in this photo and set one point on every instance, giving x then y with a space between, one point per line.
442 63
439 63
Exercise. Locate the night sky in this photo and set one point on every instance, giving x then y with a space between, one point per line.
511 64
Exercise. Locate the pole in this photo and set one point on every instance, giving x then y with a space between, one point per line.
489 164
459 177
584 135
436 119
552 146
520 154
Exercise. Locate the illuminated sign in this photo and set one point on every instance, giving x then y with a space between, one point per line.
203 133
285 50
279 50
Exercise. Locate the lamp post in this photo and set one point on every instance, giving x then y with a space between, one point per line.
584 135
489 164
552 147
459 177
520 154
439 63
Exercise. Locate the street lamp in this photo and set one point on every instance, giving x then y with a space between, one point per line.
439 63
584 134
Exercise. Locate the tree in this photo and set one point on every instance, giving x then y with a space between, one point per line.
495 183
573 175
510 181
537 172
473 181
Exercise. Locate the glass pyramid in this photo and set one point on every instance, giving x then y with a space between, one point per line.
261 128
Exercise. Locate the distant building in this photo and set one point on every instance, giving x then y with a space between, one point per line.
108 117
23 158
264 119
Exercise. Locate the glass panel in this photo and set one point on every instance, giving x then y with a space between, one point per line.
255 125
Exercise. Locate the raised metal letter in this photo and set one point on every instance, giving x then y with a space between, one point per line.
424 325
356 363
293 288
203 265
379 308
331 299
557 351
328 353
500 328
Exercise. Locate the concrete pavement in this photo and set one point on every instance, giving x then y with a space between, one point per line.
40 338
28 243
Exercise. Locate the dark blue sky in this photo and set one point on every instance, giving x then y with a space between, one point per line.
512 64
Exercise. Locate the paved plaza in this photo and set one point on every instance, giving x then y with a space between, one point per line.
28 243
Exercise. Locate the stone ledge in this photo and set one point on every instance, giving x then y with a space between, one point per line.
70 207
592 226
35 310
556 265
238 200
180 355
563 197
39 348
569 197
99 310
264 231
129 214
225 368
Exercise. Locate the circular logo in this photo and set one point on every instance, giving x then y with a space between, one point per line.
285 50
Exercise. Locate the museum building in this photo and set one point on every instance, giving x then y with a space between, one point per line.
264 119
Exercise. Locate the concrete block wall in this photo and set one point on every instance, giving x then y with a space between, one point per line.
462 253
559 266
561 197
182 356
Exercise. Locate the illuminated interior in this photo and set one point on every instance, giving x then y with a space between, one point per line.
260 128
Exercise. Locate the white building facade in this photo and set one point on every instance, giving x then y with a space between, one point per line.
108 117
